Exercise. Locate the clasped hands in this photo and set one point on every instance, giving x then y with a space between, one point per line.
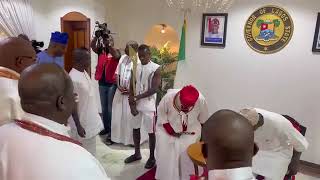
123 91
133 105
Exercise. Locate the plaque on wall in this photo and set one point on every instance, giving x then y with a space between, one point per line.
269 29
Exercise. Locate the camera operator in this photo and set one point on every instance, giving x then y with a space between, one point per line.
37 45
55 51
108 58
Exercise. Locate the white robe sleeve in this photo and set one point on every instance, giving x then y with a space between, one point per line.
297 140
203 114
162 112
80 90
118 67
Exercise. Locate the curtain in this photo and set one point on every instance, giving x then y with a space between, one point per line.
16 17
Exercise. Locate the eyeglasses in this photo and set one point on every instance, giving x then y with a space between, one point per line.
27 57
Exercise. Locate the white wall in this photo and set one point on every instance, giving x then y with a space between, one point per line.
287 82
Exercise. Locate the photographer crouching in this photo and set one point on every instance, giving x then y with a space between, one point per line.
108 58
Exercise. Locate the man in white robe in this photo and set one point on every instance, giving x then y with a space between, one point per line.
121 115
180 116
87 112
38 147
142 101
16 54
228 146
280 144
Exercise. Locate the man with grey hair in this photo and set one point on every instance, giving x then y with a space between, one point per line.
121 115
280 144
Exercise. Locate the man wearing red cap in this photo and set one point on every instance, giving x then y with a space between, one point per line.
180 116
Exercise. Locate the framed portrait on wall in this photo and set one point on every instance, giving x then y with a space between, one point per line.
316 39
214 29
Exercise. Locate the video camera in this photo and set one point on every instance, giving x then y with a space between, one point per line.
102 30
37 45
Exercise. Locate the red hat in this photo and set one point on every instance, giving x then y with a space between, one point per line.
189 96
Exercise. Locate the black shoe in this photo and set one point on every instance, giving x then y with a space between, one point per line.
109 142
150 163
103 132
132 159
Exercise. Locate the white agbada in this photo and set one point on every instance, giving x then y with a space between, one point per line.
146 119
276 139
244 173
171 152
88 113
26 155
144 78
10 107
121 114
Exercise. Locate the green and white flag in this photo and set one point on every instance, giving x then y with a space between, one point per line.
182 48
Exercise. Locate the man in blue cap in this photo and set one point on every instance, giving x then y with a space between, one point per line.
55 51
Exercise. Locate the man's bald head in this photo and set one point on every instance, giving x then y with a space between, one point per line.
229 138
46 90
81 58
16 54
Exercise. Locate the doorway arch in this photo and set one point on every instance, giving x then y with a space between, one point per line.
77 25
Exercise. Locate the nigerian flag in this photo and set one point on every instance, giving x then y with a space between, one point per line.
182 48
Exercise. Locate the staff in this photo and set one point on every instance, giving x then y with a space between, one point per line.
134 59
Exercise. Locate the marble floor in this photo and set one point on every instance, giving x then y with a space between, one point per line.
112 158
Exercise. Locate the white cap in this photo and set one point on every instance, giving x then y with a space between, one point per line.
251 114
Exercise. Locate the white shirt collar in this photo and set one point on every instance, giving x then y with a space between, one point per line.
244 173
46 123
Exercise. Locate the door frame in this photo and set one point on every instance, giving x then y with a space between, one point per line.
78 17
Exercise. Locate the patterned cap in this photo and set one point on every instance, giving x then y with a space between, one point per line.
58 37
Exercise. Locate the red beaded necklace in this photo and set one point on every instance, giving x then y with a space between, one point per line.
33 127
184 124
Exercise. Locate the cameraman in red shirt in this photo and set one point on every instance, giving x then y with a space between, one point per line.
108 59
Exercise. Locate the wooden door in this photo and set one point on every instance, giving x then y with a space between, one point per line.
79 39
78 28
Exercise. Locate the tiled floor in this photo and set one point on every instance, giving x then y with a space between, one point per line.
112 160
305 177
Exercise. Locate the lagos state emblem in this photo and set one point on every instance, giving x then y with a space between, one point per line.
269 29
